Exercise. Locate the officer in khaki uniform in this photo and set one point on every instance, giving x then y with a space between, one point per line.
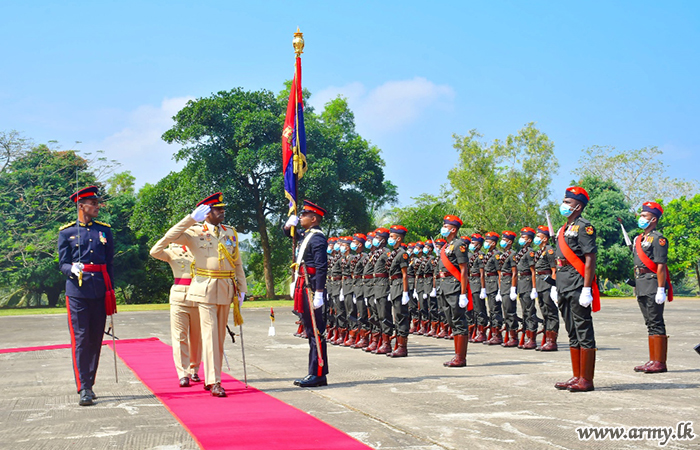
185 332
219 279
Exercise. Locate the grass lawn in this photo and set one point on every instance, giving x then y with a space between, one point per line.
128 308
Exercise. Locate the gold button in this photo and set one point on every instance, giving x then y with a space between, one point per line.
90 240
90 251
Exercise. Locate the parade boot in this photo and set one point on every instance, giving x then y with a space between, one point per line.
460 358
414 326
659 346
512 339
531 341
433 329
480 335
585 381
303 334
450 335
385 346
471 333
496 337
342 335
300 330
575 366
442 330
646 364
362 341
401 349
550 344
373 342
522 333
423 330
351 339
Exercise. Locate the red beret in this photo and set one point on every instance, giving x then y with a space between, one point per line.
543 229
359 237
577 193
492 236
653 208
398 229
509 235
382 232
477 237
528 231
452 220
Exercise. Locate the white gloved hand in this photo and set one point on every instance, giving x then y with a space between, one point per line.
415 294
425 296
341 292
513 293
241 298
555 296
200 212
586 297
405 298
388 297
354 299
533 293
499 299
482 293
292 221
341 297
463 302
660 295
366 302
433 293
77 269
318 299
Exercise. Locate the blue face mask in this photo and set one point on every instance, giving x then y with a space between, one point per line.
354 247
391 242
643 223
368 244
487 245
444 231
537 241
503 243
343 249
375 242
522 241
472 247
416 251
336 247
329 250
426 250
565 210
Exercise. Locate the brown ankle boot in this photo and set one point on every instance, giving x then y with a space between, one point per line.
575 366
414 326
531 341
401 349
300 330
646 364
460 358
352 337
480 335
340 338
423 329
450 334
363 341
550 344
385 346
512 339
433 329
585 381
496 337
442 330
659 346
373 343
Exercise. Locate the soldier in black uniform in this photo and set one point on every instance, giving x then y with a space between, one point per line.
85 255
381 291
477 283
399 295
311 269
527 289
335 275
453 287
492 268
378 244
365 280
650 256
414 252
345 292
424 284
546 266
508 291
437 310
576 288
355 306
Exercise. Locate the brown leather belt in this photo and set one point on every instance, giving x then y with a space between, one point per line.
395 277
381 275
563 263
336 278
506 274
367 277
345 277
444 275
545 272
491 274
642 270
524 274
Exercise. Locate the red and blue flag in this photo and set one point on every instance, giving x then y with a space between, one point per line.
294 140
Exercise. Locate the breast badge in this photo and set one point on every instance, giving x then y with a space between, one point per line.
103 238
590 230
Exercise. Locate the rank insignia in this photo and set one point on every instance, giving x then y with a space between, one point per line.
481 256
532 254
498 257
462 249
103 238
662 242
405 256
590 230
550 251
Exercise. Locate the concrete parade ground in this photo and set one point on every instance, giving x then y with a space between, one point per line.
504 399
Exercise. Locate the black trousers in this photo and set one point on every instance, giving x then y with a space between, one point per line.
401 316
495 310
86 323
373 314
384 312
480 315
550 313
314 350
510 312
455 315
362 311
527 303
350 311
653 314
577 320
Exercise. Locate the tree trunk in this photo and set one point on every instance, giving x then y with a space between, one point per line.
52 296
267 253
697 273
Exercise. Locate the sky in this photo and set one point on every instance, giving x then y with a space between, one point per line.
110 75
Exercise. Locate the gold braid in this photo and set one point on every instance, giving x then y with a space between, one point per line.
224 254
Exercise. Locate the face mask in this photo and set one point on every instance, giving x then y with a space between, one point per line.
444 231
391 242
503 243
375 242
343 249
538 240
522 241
416 251
643 223
487 245
336 247
329 250
426 250
368 244
472 247
354 247
565 210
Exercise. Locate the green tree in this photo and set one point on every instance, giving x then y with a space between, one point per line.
12 147
121 183
423 219
680 225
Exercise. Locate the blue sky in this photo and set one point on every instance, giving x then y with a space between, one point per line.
112 74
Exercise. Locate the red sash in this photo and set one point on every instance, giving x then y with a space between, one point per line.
110 299
580 267
454 271
651 265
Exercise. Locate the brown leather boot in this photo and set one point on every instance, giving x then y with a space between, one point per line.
471 332
575 366
550 344
401 349
659 347
352 337
523 333
496 337
414 326
373 343
342 334
512 339
460 358
385 346
433 329
442 330
585 381
362 341
358 337
450 334
480 335
531 341
646 364
423 329
300 329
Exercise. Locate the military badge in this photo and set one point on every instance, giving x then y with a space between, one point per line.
405 256
462 249
481 256
498 257
228 242
532 254
590 230
103 238
550 251
662 242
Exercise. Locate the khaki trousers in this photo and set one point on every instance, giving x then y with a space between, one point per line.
213 320
186 338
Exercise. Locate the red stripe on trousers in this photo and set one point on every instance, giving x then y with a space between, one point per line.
72 346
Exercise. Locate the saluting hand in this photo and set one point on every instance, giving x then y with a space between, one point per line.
200 212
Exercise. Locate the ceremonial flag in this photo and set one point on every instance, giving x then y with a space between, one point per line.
294 140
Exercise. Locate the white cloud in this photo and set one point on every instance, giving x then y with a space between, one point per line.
139 147
391 106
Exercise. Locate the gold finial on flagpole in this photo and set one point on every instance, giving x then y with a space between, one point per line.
298 42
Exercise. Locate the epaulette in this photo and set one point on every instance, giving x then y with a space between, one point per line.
103 223
69 224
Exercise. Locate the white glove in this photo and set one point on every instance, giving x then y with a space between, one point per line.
463 302
533 293
200 212
513 293
291 222
77 269
388 298
341 297
660 295
586 297
241 297
405 298
425 296
433 293
366 303
482 294
555 296
318 299
499 299
415 294
354 299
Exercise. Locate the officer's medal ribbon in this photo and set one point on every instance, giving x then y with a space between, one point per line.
103 238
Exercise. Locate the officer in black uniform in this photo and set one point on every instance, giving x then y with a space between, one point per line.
414 252
345 293
370 282
477 283
545 267
651 273
335 285
527 290
424 284
508 291
365 280
311 274
578 295
381 290
399 289
358 309
492 268
85 253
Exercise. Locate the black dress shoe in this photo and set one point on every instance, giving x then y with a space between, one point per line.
184 382
86 398
314 381
91 394
301 380
195 378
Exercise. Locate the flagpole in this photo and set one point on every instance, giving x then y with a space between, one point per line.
298 44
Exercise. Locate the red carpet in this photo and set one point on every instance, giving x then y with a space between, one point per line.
246 419
52 347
